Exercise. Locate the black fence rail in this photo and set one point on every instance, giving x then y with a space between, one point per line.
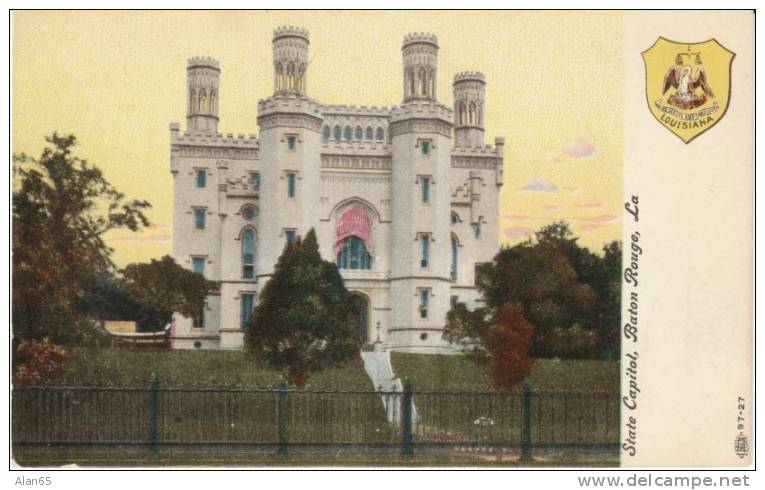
282 419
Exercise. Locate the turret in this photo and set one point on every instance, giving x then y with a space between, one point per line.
469 93
290 60
420 51
202 78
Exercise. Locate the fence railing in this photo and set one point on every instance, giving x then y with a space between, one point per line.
283 419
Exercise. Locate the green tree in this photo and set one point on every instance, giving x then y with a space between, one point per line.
162 287
469 329
62 206
568 294
306 319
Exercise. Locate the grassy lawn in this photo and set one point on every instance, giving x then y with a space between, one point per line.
197 414
107 367
198 402
428 372
575 401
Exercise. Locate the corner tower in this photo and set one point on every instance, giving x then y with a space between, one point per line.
202 79
290 60
469 93
421 130
290 152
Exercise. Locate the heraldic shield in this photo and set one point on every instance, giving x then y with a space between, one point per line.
688 85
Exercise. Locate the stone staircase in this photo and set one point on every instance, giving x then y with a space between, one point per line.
380 371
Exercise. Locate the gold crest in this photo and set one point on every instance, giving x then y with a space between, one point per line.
688 85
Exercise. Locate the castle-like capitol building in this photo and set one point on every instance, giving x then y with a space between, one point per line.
404 199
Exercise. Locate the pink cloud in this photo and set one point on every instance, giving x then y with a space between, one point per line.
591 226
603 218
516 232
517 216
540 185
589 205
579 148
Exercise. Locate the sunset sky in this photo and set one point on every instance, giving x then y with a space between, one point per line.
116 80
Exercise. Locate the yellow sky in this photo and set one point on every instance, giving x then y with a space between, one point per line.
116 80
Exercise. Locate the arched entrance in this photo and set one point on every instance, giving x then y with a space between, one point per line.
362 302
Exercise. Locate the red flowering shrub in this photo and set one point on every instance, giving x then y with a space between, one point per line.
37 362
509 348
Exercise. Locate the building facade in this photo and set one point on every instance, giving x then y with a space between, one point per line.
404 199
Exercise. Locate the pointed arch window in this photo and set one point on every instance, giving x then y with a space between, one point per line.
211 103
353 239
192 100
248 254
359 133
380 136
348 133
354 254
326 133
370 133
202 100
338 133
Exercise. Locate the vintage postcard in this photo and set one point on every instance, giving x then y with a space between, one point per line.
512 239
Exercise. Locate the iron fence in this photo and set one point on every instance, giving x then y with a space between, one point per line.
280 419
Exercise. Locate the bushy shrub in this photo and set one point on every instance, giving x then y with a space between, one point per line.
37 362
509 348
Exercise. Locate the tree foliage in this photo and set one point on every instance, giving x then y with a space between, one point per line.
62 206
161 287
570 295
469 329
306 319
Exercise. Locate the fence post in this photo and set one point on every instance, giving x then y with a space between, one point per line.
526 431
407 447
153 403
281 415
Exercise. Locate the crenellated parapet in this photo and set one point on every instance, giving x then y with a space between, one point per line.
481 158
421 109
470 76
291 31
203 62
421 116
219 146
420 38
352 110
289 110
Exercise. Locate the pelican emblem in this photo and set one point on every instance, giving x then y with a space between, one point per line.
682 98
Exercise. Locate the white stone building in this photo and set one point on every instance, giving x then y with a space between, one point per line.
405 199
